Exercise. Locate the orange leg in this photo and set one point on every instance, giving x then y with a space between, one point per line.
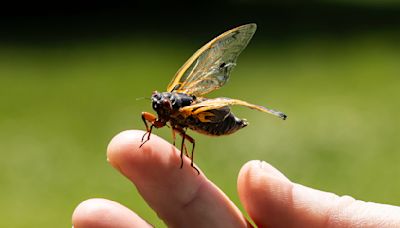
148 117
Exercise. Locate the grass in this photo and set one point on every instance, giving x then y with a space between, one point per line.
61 105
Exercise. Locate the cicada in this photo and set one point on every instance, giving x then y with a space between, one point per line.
183 105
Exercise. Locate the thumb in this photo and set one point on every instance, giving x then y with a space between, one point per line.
272 200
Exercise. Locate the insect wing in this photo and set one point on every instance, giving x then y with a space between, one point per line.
209 67
218 103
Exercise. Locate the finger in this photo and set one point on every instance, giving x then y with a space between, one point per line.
273 201
102 213
179 196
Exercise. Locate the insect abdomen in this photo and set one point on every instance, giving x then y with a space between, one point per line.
228 125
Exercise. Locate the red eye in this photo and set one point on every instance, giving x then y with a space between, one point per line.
167 103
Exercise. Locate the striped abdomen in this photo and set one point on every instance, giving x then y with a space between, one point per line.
224 122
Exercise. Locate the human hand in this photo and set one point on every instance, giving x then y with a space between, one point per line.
182 198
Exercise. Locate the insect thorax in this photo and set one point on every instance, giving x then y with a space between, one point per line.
167 103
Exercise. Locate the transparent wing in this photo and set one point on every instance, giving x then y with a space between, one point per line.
209 67
221 102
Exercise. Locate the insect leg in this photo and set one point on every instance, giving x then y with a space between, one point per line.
173 135
148 117
174 130
183 146
148 136
186 150
192 157
183 134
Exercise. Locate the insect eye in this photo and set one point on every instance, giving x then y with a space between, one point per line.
165 102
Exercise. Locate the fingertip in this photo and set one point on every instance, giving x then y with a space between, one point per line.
102 213
256 177
87 213
256 168
122 145
153 159
265 192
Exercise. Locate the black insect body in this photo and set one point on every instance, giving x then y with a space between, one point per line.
215 122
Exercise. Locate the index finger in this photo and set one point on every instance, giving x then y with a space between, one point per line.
179 196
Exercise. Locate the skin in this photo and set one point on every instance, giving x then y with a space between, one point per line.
181 198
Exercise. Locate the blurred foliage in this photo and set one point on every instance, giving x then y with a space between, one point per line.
61 105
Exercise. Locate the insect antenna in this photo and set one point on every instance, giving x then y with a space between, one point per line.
143 98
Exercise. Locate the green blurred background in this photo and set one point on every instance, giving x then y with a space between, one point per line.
69 79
